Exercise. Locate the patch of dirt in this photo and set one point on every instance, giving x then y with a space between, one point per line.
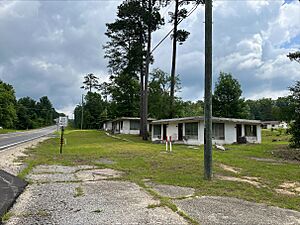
264 159
289 188
286 153
230 168
250 180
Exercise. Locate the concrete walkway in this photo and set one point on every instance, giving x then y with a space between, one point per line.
88 195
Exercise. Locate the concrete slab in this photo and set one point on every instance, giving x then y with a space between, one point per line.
102 202
52 177
97 174
10 188
54 169
172 191
224 211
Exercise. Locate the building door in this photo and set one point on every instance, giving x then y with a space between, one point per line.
238 132
180 131
164 131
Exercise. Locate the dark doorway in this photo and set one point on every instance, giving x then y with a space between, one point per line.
238 132
180 132
164 131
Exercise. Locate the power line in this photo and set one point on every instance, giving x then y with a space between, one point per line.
167 35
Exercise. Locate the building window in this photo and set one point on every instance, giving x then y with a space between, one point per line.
134 124
191 130
157 131
218 131
250 131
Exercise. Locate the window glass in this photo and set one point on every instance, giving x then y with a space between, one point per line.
218 131
157 131
250 130
134 124
191 130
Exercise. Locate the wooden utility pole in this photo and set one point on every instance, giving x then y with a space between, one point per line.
145 105
173 69
81 111
208 91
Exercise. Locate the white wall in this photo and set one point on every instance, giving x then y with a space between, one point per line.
126 128
230 134
172 130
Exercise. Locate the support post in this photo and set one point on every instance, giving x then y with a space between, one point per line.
208 91
61 139
81 112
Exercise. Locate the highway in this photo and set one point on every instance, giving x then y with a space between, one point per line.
11 139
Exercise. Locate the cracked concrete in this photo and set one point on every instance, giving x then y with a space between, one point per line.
102 201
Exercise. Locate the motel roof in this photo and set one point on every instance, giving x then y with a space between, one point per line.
201 118
130 118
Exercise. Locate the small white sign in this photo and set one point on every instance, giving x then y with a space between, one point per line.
63 121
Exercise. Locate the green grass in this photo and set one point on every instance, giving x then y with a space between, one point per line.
184 166
78 192
5 131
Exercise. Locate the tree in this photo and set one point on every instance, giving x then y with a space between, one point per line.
178 36
262 109
45 111
27 113
8 115
129 48
189 108
227 101
90 81
94 107
294 56
294 129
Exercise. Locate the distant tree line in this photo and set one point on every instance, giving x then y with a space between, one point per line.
112 102
24 113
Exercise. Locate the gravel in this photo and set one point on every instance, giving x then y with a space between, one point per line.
104 202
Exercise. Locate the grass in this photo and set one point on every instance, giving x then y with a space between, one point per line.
5 131
6 217
183 167
78 192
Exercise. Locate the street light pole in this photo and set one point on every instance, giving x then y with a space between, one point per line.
81 111
208 91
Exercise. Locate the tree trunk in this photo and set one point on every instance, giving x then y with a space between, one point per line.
174 48
145 105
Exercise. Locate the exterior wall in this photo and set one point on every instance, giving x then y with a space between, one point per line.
108 125
229 129
172 130
230 134
194 141
256 139
126 128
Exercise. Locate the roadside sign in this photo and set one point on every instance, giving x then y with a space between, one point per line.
63 121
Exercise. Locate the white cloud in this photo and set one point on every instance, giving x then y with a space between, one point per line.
48 46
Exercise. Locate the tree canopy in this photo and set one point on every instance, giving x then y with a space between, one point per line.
227 101
294 129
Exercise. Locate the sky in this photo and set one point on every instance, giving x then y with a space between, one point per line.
46 47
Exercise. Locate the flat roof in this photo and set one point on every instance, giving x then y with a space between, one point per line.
130 118
201 118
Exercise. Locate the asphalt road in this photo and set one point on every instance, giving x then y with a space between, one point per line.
11 139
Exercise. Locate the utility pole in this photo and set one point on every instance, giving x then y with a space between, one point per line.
208 91
174 59
81 111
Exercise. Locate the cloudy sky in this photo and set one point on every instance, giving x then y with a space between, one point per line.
46 47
